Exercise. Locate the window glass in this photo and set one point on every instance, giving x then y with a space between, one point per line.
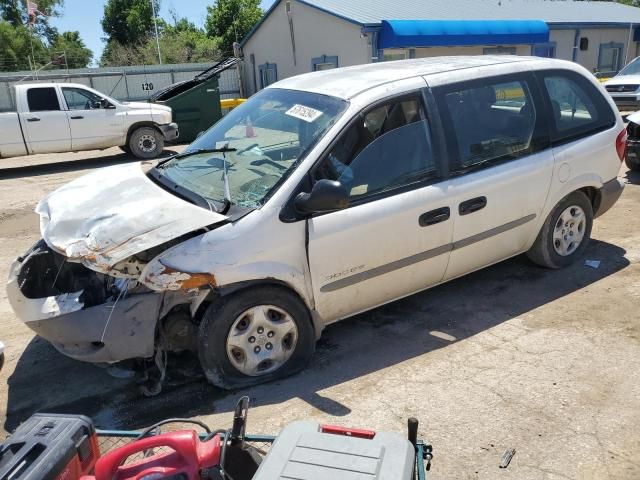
388 147
499 51
79 99
632 68
268 74
609 59
491 122
42 99
392 56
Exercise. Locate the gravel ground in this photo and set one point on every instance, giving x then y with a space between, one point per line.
514 356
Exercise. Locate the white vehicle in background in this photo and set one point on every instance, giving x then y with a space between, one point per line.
54 117
323 196
624 88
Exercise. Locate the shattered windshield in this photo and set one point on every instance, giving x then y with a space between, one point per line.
242 158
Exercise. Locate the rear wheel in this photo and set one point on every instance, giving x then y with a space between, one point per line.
255 336
146 142
565 234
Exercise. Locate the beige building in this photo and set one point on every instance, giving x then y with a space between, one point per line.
300 36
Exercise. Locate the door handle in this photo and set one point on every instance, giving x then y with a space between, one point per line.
77 117
33 119
434 216
473 205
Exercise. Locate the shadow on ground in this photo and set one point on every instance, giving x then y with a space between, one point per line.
73 165
633 177
47 381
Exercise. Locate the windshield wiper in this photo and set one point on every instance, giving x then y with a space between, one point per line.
197 151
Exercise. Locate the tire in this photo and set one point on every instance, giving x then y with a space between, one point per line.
548 249
228 364
146 143
632 163
125 148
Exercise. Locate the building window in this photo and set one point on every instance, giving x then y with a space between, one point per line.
268 74
499 51
610 57
391 55
324 63
546 50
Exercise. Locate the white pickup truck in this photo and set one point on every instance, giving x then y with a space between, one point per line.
67 117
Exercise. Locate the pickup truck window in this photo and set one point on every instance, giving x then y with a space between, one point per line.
43 99
79 99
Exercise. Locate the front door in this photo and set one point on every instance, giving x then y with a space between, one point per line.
46 125
500 168
394 237
91 125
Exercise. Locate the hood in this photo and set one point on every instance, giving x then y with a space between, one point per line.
105 217
624 80
147 105
634 118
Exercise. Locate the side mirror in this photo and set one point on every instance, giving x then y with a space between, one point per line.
325 196
104 103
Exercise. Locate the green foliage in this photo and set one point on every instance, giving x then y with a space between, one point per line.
231 20
76 52
15 13
128 22
17 38
180 42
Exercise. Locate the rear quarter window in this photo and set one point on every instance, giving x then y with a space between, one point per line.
577 108
42 99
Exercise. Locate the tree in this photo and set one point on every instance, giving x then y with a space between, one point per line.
15 47
15 13
128 22
76 52
231 20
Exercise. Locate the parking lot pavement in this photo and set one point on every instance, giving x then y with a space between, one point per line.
513 356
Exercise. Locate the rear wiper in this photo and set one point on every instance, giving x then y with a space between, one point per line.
197 151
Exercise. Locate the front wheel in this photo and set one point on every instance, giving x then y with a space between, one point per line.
146 143
565 233
254 336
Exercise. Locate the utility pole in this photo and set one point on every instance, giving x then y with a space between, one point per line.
155 24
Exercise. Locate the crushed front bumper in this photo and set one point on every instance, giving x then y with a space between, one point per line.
121 327
170 131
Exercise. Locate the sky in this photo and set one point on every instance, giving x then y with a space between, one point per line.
85 15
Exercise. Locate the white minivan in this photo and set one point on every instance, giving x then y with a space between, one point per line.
324 195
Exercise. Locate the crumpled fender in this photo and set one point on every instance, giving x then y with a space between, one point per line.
225 256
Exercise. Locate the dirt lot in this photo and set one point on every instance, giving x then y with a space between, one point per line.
546 362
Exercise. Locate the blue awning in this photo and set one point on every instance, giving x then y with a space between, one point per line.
441 33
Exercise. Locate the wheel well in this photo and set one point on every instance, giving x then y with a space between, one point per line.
593 194
136 126
266 282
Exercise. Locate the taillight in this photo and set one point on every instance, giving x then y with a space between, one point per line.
621 144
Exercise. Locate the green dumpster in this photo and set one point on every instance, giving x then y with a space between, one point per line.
195 103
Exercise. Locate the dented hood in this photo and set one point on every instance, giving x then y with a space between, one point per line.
105 217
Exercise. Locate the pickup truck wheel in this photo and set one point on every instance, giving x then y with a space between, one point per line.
565 233
125 148
146 142
255 336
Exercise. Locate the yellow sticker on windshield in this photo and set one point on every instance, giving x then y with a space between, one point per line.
307 114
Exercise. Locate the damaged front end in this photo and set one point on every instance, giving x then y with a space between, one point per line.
83 288
86 315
